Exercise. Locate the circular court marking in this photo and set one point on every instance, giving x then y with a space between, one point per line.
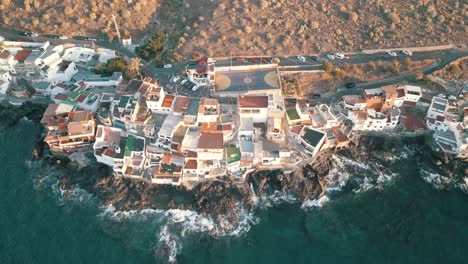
247 80
222 82
271 79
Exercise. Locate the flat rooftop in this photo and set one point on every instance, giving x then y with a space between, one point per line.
247 80
312 137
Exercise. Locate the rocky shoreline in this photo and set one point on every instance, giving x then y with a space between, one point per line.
219 197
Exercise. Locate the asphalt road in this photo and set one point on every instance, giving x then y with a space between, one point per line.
287 63
293 63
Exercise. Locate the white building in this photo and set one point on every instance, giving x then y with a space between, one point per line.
107 147
372 120
5 79
322 117
7 61
155 98
208 110
436 114
312 139
354 102
253 106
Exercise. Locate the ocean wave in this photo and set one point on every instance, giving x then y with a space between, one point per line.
175 225
75 196
320 202
435 179
463 185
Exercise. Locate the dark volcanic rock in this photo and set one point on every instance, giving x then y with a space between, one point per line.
306 183
10 115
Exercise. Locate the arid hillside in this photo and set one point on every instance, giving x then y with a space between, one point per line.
77 17
255 27
298 26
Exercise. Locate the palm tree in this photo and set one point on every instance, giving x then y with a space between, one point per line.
133 68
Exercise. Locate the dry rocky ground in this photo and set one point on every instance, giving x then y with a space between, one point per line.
303 84
253 27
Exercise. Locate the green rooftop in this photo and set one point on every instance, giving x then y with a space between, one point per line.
292 113
233 154
134 144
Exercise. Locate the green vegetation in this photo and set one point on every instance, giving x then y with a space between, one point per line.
292 113
167 168
153 48
233 154
118 64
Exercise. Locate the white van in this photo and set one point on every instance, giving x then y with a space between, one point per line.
195 87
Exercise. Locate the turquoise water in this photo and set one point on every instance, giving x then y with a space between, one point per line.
407 221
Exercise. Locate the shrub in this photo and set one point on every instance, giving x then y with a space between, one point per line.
153 47
328 67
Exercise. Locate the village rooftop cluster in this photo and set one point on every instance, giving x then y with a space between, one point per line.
145 132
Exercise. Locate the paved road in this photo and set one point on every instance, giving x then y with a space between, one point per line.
357 58
14 35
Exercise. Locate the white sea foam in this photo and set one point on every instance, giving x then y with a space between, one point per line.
365 185
463 185
437 180
320 202
76 195
176 225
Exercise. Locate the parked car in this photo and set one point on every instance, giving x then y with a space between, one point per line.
392 53
263 60
331 56
191 85
167 66
90 39
175 79
253 60
63 37
407 52
202 62
239 60
339 56
184 81
195 88
301 58
276 60
316 96
314 58
30 34
159 65
350 85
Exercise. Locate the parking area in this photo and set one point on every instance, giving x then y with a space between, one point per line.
181 85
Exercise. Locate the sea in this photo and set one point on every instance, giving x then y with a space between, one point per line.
407 214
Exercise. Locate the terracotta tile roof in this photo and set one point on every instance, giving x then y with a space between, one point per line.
191 165
166 158
211 141
401 93
5 54
191 154
22 55
296 129
253 101
168 101
209 101
181 104
61 97
81 98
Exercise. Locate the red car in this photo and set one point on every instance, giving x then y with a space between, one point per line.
202 62
254 60
263 60
239 60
